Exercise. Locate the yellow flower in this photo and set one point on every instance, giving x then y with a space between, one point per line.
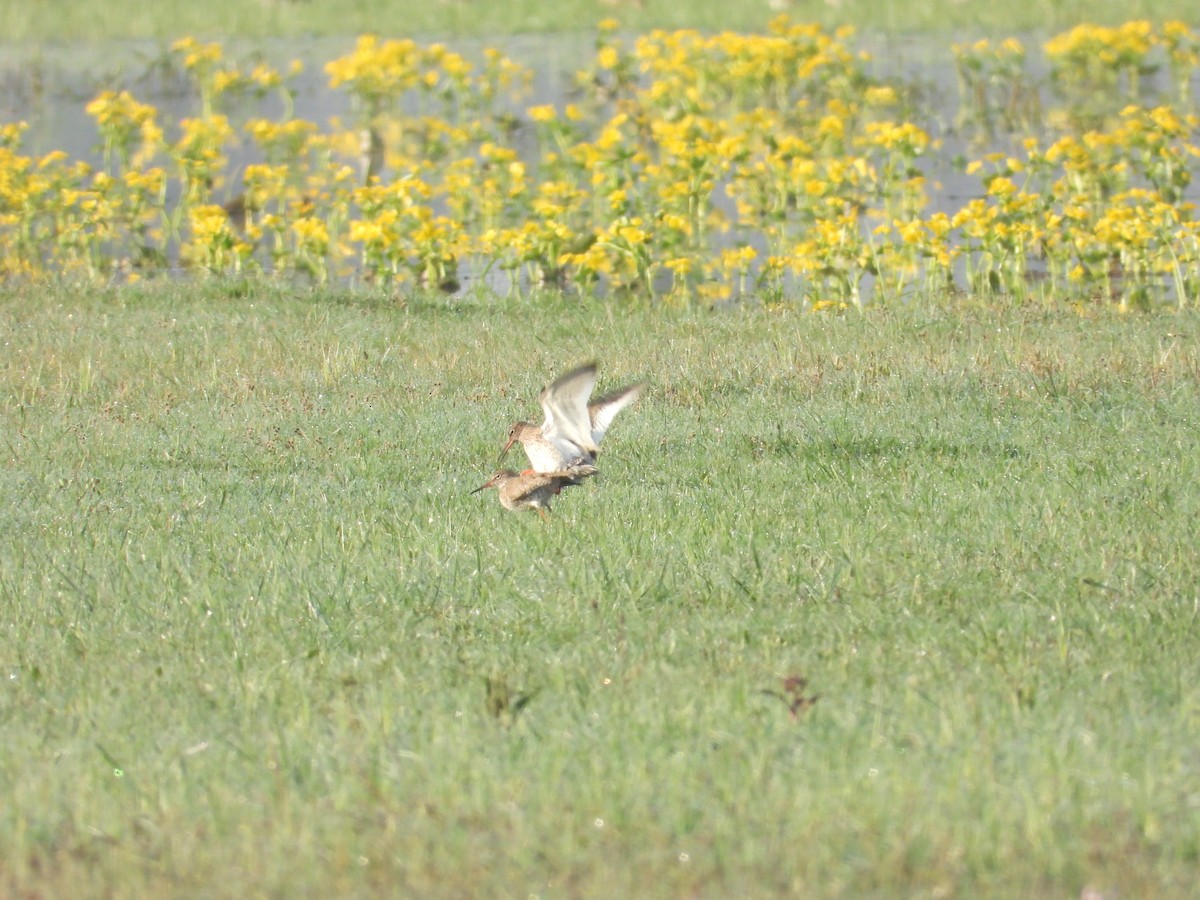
829 304
832 127
608 57
111 108
225 79
911 232
632 234
311 231
265 77
195 54
881 95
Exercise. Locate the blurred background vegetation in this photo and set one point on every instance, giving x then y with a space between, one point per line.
91 20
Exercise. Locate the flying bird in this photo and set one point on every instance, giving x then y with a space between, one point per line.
573 427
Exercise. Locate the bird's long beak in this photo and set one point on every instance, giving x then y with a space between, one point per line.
508 446
481 487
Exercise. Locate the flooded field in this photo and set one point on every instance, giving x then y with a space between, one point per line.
795 165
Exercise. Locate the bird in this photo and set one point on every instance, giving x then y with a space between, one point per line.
573 428
534 490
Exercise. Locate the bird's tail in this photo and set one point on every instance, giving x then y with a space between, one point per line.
576 472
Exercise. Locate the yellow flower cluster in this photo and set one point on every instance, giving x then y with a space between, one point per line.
1092 65
686 167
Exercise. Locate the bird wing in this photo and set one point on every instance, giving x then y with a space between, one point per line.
567 424
573 475
606 408
537 488
529 488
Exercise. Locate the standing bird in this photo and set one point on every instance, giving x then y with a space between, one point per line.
534 490
573 427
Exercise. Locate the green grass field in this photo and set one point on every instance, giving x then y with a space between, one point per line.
259 639
91 20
